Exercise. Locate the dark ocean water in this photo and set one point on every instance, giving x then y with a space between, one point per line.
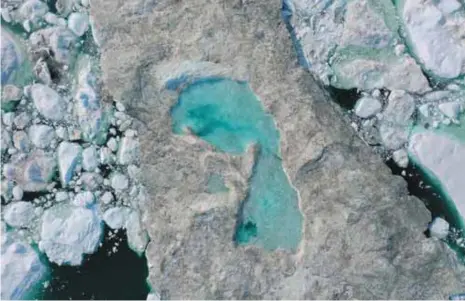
103 275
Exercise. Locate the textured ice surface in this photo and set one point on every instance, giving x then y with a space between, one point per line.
69 232
227 114
436 34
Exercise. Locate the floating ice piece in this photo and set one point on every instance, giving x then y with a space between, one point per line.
33 11
124 217
42 72
434 37
69 232
78 23
448 6
424 110
119 181
5 140
51 18
11 95
64 7
107 197
62 42
129 151
450 109
15 69
69 156
84 199
5 14
61 196
41 135
138 237
116 217
21 268
22 120
382 71
441 157
21 141
393 136
153 296
91 181
439 228
90 158
106 156
367 107
112 144
17 193
33 173
48 102
39 172
92 114
400 107
400 156
19 214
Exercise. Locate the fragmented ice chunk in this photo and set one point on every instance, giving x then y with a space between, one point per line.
129 151
439 228
400 156
14 66
367 107
33 173
78 23
116 217
393 136
124 217
378 71
11 95
93 115
48 102
69 156
33 11
19 214
62 42
119 181
21 268
450 109
21 141
442 157
69 232
91 181
84 199
41 135
90 158
400 108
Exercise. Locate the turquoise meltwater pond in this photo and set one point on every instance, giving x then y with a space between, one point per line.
228 115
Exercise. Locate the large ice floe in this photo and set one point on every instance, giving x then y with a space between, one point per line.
62 141
406 59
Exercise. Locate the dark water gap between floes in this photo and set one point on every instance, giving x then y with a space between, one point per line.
104 275
418 184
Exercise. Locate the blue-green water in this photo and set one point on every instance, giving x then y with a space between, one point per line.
229 116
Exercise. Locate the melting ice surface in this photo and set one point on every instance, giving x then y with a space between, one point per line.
228 115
